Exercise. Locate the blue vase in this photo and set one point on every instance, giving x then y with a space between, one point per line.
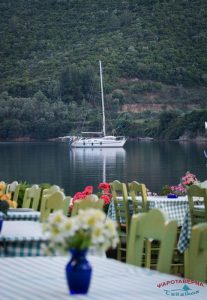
78 272
172 196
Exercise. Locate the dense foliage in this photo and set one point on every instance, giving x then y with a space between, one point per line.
152 51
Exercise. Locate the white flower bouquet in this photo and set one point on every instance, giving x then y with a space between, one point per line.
89 229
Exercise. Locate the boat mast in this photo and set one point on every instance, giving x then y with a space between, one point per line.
102 101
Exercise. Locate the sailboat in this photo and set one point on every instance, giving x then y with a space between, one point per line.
102 140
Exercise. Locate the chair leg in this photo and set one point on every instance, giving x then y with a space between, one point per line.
119 251
186 264
148 251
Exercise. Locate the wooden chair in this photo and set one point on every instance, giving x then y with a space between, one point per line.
3 187
66 205
138 189
47 192
32 197
85 204
198 253
13 188
51 203
51 190
197 215
120 200
202 184
152 225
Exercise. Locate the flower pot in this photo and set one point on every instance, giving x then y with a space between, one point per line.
78 272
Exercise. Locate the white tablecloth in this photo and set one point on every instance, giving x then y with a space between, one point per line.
21 230
22 238
43 278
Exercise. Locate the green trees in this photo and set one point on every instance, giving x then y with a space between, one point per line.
152 40
77 84
35 117
190 125
152 52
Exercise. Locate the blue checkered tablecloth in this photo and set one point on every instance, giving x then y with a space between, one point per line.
43 278
186 229
175 208
22 238
21 215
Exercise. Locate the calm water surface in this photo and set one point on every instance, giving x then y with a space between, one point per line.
153 163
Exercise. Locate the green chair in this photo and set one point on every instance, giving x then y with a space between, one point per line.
51 203
32 197
202 184
198 253
152 225
87 203
47 192
14 189
3 187
51 190
66 205
121 205
138 189
197 215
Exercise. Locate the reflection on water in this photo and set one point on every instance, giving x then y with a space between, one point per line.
153 163
96 165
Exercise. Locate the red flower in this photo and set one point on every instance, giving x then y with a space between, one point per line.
104 186
79 195
88 190
82 195
106 199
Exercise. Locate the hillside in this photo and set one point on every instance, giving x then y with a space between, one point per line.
153 52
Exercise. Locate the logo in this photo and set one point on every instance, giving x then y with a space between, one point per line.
180 287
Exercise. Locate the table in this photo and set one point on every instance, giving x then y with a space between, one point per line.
22 238
186 229
21 214
36 278
175 208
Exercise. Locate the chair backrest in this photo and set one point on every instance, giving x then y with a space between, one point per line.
197 253
32 197
121 205
138 189
51 190
66 205
197 215
87 203
202 184
152 225
3 187
51 203
47 192
13 188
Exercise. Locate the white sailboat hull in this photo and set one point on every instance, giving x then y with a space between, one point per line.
102 142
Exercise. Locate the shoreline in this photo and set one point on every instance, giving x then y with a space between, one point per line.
198 139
